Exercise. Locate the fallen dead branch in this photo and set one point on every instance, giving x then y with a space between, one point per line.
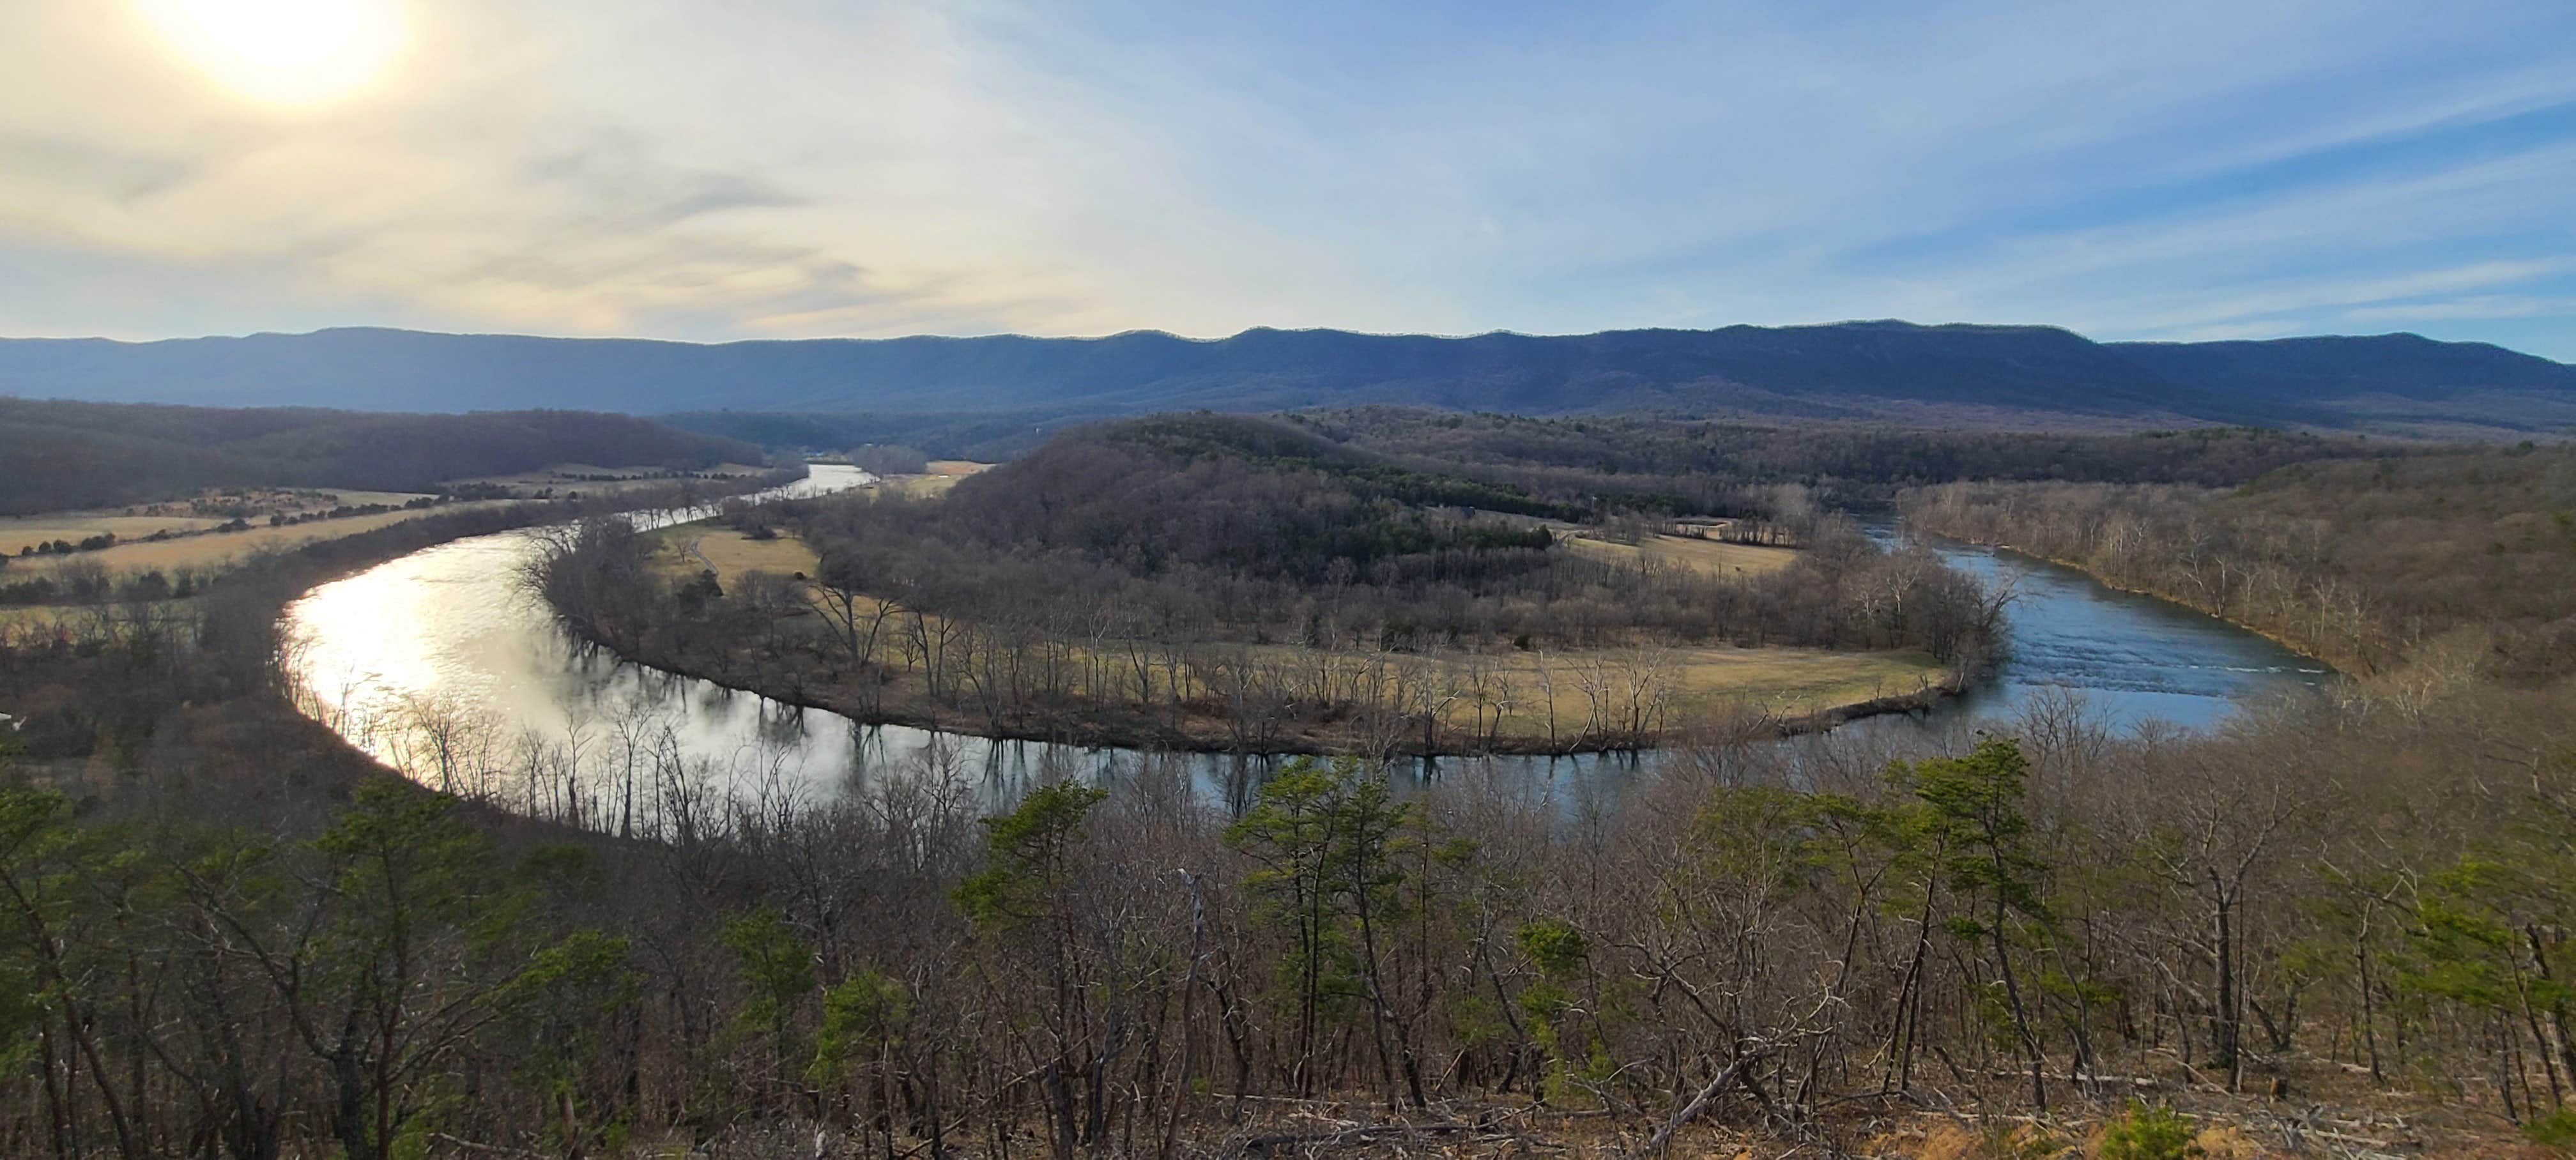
1350 1137
1699 1103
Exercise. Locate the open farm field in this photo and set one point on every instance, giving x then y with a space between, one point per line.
1787 682
202 514
918 486
1532 696
1711 557
210 549
687 549
942 475
28 616
18 532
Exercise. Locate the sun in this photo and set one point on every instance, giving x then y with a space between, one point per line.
287 52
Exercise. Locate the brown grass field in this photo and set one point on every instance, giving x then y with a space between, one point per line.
17 532
688 549
214 549
1704 681
943 474
1708 556
194 545
918 486
22 531
30 616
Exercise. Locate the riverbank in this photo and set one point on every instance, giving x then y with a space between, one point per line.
102 694
1203 731
747 620
2301 648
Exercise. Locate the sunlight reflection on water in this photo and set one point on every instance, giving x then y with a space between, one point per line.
442 665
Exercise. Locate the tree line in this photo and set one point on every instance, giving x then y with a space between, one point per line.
1722 465
2466 556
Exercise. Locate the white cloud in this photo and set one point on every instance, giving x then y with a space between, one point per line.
2473 306
805 168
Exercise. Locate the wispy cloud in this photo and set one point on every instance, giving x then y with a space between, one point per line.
661 167
2475 306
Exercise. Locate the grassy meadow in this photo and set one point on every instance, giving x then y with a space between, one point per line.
1707 556
211 550
688 549
142 521
193 541
20 532
942 475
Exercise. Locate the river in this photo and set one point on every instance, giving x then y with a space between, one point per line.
440 665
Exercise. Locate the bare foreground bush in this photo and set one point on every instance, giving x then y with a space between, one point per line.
2334 930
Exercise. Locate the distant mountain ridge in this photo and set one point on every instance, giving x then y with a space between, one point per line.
1851 370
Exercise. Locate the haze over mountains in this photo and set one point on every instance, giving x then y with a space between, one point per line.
78 455
1887 370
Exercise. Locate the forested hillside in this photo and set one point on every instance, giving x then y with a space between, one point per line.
1989 376
1233 583
76 455
1738 466
1266 531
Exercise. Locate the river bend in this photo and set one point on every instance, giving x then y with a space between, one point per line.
440 664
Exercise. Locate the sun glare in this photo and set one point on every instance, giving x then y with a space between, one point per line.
289 52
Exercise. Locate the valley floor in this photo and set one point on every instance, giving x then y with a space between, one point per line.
1311 700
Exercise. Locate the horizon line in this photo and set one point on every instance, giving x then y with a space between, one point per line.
1213 340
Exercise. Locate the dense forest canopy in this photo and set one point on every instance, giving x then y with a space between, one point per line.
1126 489
1248 495
64 455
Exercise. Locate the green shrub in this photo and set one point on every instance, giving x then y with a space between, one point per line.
2555 1133
2149 1133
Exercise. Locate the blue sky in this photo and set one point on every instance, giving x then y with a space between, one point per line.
680 169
